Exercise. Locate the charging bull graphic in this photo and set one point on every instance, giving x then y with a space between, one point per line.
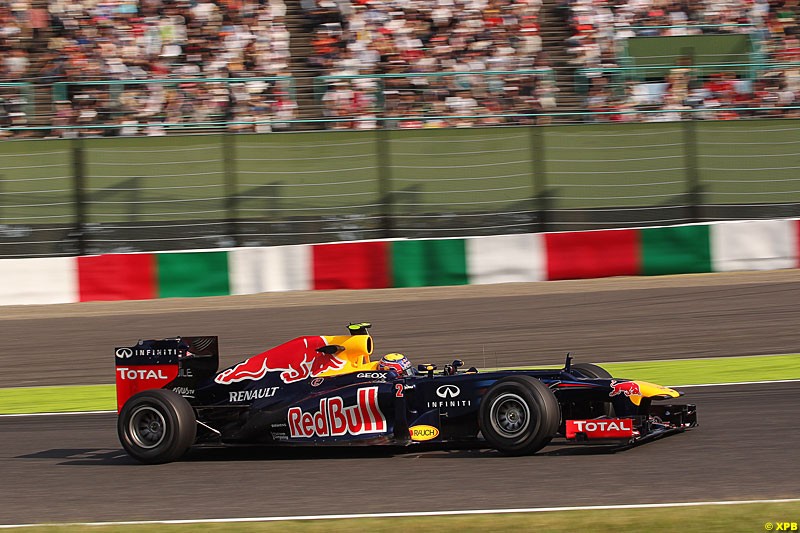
296 360
628 388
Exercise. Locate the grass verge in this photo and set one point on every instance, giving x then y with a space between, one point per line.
751 517
58 399
680 372
710 370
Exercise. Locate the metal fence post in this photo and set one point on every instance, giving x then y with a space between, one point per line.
79 185
384 181
541 201
694 193
231 198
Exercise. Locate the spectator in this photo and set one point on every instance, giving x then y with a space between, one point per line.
440 57
721 93
169 39
426 36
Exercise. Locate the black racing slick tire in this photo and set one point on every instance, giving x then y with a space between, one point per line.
157 426
519 415
590 371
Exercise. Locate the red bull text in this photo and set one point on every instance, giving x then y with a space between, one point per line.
334 419
296 360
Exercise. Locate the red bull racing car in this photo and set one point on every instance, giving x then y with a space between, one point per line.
327 390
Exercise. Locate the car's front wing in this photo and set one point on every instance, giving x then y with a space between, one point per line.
660 421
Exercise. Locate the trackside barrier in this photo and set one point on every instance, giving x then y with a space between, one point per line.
98 195
713 247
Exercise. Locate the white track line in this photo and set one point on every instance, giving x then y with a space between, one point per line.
19 415
411 514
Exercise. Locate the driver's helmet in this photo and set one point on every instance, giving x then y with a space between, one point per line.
397 363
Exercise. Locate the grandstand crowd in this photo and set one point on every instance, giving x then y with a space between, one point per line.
136 67
599 29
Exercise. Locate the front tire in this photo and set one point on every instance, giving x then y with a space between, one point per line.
519 415
591 371
157 426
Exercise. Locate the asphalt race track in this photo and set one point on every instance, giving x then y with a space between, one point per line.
70 468
613 319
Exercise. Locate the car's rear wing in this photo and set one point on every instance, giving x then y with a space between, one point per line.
177 363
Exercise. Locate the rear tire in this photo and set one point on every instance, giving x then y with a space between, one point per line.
157 426
519 415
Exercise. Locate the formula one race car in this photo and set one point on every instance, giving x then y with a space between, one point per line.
326 390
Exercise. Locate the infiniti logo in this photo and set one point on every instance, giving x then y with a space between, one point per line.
448 391
124 353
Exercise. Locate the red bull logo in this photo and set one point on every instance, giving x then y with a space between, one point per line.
296 360
334 419
628 388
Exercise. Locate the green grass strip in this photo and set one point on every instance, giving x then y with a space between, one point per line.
678 372
712 518
705 371
58 399
711 370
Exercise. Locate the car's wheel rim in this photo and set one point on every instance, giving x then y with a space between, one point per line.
510 415
147 427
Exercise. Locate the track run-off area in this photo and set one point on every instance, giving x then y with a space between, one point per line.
71 468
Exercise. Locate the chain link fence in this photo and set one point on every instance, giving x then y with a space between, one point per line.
103 195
